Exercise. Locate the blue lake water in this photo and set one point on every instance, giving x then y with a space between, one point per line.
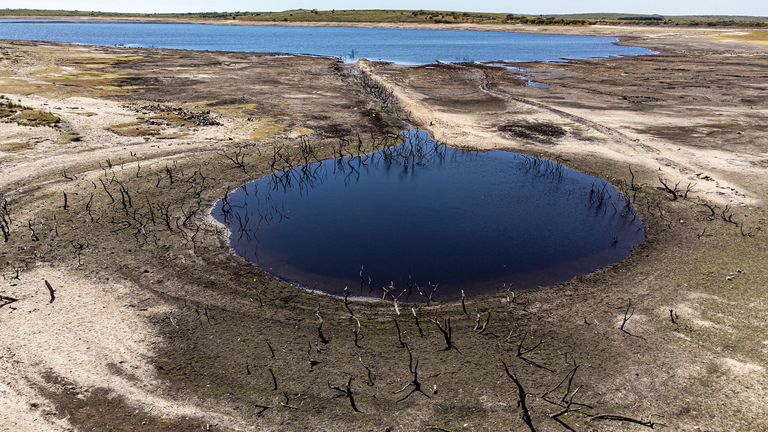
422 214
396 45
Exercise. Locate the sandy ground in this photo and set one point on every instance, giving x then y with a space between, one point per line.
94 333
156 326
625 133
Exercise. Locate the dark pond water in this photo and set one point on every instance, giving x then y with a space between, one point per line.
422 214
397 45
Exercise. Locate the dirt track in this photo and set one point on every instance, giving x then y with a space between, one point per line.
156 326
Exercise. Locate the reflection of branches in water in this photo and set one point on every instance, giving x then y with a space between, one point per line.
539 167
603 196
353 156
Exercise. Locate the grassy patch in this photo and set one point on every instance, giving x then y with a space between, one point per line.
24 116
172 119
8 110
136 129
14 146
301 131
266 130
69 137
755 36
32 117
173 135
20 87
234 109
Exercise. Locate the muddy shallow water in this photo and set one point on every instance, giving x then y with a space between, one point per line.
423 216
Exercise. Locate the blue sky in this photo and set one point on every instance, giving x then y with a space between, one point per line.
669 7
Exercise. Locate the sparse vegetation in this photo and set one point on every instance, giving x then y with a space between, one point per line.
25 116
419 16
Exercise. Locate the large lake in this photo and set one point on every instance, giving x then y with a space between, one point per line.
422 214
395 45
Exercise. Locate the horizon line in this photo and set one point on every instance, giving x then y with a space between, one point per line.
382 9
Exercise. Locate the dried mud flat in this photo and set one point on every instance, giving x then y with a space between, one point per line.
123 308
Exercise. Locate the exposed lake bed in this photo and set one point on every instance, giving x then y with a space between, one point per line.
152 319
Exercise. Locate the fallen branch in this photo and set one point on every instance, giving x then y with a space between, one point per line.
648 424
51 291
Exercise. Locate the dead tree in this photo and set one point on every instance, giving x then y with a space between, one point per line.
525 415
356 333
271 351
413 367
688 189
632 186
274 379
629 312
312 362
464 305
727 215
238 159
447 332
428 295
346 303
287 402
399 334
673 191
370 380
109 194
522 351
320 336
566 400
480 329
712 214
32 230
418 324
345 392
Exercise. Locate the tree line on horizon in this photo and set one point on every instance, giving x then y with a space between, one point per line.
417 16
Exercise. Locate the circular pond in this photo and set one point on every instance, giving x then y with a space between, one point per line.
422 217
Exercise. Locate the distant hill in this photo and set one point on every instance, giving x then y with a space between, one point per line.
663 18
420 16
